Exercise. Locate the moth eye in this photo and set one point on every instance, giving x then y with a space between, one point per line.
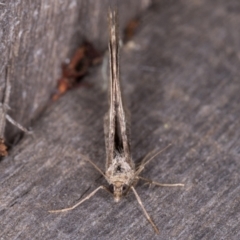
119 168
124 187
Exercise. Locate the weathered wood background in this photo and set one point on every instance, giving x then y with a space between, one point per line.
180 75
37 36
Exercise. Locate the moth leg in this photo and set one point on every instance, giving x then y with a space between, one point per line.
129 187
161 184
144 210
5 105
145 160
13 122
83 200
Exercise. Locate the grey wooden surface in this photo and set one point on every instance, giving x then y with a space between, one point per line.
180 75
37 36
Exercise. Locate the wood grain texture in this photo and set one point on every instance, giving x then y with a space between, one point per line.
36 36
180 75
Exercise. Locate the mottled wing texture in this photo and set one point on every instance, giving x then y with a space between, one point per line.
116 121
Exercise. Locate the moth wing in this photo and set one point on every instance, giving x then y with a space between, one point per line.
120 119
109 138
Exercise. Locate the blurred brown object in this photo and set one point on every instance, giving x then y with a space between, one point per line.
130 29
3 148
73 72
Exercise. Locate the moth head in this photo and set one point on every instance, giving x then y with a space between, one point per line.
119 189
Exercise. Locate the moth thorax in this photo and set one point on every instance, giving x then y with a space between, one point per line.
119 173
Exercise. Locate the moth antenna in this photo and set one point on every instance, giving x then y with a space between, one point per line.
94 165
145 162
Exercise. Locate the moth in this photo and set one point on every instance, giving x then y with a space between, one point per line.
121 173
4 107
